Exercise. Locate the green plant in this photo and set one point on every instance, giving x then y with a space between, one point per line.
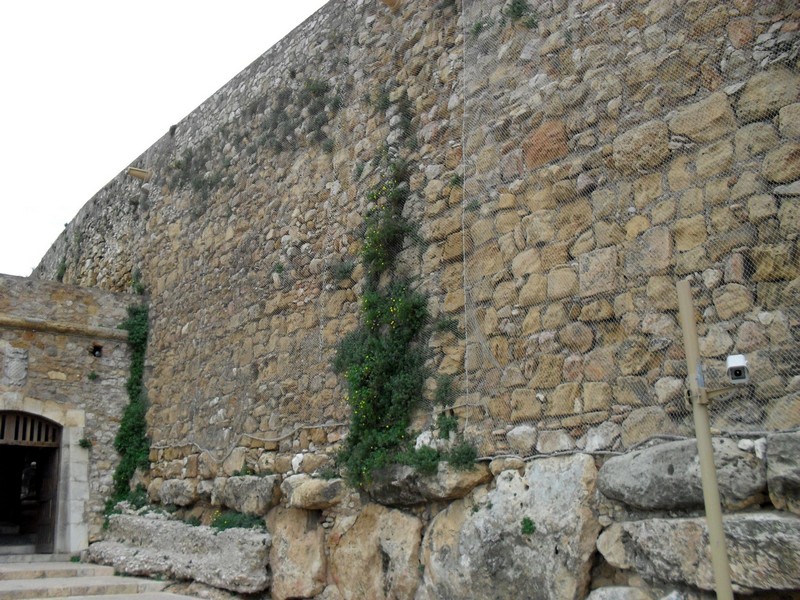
343 269
425 459
244 471
278 268
61 270
478 27
456 180
517 9
136 282
358 170
85 443
383 102
528 527
193 521
446 425
473 206
93 376
328 146
75 559
462 456
444 390
131 441
532 22
232 520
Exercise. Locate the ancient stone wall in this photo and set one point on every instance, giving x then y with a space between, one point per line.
63 358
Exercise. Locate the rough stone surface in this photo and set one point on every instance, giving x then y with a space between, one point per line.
642 148
247 494
180 492
763 549
783 470
303 491
619 593
402 485
234 559
377 555
476 548
297 556
766 93
706 120
667 476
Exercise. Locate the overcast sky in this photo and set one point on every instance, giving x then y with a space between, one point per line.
87 86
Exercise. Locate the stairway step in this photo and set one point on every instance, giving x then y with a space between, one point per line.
31 557
43 570
60 587
140 596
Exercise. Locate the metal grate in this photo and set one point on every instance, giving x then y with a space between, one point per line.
21 429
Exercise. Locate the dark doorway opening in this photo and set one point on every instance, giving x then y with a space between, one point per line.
29 458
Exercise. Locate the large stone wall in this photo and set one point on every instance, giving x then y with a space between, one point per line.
63 358
567 170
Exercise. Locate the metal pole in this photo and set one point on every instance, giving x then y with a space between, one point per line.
708 473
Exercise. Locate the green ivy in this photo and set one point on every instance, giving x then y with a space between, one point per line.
131 441
231 520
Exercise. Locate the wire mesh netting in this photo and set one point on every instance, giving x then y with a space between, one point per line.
611 149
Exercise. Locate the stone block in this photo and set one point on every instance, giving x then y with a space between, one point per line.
642 148
789 119
562 282
766 93
297 555
565 400
303 491
783 471
248 494
545 144
548 371
782 164
597 272
645 422
522 439
763 550
705 121
525 405
714 159
731 300
650 253
690 232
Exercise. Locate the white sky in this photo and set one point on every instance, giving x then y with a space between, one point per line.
88 85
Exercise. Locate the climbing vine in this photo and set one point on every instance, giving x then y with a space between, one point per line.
131 441
383 361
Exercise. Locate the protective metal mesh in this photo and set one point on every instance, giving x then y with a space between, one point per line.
610 150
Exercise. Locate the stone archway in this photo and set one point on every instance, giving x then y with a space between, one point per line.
44 477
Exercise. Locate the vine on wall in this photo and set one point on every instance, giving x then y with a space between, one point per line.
131 441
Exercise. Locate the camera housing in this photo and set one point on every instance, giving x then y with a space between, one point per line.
738 373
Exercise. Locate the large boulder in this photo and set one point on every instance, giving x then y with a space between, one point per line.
534 532
763 549
180 492
297 556
667 476
402 485
247 494
304 491
234 559
783 470
376 554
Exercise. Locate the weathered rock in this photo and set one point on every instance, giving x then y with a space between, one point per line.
706 120
766 93
619 593
763 549
731 300
642 148
667 476
180 492
522 438
234 559
247 494
376 555
551 441
576 336
547 143
782 165
402 485
643 423
304 491
602 437
783 470
477 547
297 556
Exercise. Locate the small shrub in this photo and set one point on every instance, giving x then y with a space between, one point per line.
244 471
446 424
343 270
425 459
383 102
328 146
233 520
75 559
193 521
517 9
61 271
528 527
278 268
456 180
462 456
444 390
93 376
85 443
473 206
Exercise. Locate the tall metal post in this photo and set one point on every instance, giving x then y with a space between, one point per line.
708 473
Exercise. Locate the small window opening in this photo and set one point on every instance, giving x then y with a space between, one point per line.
97 350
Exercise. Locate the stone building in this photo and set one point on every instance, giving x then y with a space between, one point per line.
567 162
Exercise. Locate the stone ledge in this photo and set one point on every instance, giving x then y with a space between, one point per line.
44 326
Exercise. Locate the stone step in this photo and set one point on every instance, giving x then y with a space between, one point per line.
44 570
65 587
31 557
141 596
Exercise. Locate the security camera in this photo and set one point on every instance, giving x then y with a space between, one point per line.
737 369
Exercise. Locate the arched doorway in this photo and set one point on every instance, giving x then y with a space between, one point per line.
29 471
